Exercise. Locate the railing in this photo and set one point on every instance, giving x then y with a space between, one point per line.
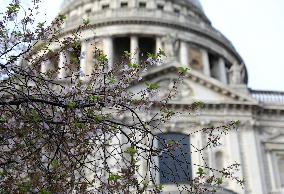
270 97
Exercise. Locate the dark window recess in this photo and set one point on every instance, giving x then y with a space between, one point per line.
120 45
213 61
88 11
160 7
146 45
177 11
175 165
142 4
124 4
105 6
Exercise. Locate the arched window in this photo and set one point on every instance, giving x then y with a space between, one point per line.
175 160
281 170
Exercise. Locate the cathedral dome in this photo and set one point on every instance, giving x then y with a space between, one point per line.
195 3
200 45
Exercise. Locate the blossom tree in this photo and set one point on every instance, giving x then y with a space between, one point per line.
85 133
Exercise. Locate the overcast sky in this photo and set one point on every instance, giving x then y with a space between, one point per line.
255 27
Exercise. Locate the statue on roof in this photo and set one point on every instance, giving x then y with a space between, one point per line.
237 74
170 43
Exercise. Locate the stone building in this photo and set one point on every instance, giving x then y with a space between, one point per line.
218 77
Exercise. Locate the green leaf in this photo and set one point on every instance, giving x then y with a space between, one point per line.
102 58
127 54
160 188
161 53
86 21
13 8
114 177
45 191
200 172
237 123
133 65
62 17
79 125
131 151
72 105
99 118
40 24
152 86
152 56
183 70
54 164
93 98
199 104
219 181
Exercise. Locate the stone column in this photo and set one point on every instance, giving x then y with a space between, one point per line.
64 59
108 50
134 49
159 44
45 66
184 59
83 59
221 69
205 62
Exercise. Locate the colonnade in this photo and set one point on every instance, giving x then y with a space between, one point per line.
106 44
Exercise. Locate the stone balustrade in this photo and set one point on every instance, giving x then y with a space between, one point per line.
270 97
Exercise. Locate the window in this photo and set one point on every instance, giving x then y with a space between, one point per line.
88 11
142 4
120 45
175 162
177 11
160 7
106 6
146 45
123 4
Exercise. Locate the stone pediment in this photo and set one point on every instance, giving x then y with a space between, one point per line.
196 87
276 138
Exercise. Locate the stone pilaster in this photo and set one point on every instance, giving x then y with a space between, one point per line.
252 162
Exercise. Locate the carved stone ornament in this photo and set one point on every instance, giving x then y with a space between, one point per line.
183 90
